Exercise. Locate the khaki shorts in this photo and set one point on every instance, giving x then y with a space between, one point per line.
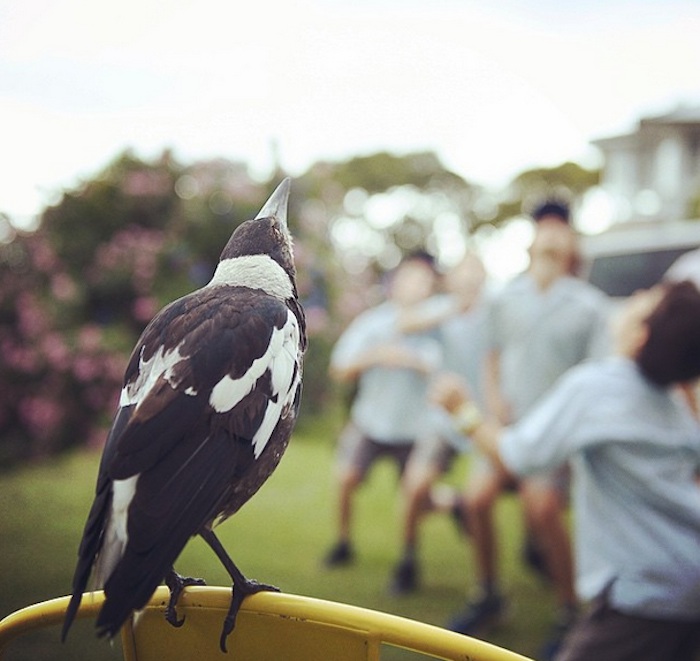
433 451
359 452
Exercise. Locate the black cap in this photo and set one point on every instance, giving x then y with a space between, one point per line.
552 208
421 256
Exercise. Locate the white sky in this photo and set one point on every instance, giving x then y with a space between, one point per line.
493 87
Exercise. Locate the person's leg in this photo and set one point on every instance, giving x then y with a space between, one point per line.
349 480
416 483
404 576
416 492
484 487
427 461
544 509
545 515
356 454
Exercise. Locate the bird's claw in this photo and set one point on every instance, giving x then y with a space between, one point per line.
176 584
240 592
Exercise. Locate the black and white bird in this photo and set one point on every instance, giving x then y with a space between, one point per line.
207 407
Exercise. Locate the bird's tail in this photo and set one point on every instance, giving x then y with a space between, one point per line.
129 587
89 548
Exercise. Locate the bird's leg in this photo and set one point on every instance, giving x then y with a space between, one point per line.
176 584
242 586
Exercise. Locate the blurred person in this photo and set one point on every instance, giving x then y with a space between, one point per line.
459 317
390 370
634 446
539 325
687 267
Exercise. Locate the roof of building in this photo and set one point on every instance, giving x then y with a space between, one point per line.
681 115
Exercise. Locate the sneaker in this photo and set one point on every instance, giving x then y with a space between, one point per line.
479 615
405 578
561 627
341 554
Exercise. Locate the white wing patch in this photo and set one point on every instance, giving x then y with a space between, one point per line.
228 392
281 359
286 376
160 364
116 535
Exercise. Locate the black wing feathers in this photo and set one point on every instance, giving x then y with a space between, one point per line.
147 440
165 513
242 334
94 526
193 463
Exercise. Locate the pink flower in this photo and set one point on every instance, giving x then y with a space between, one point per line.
41 415
86 368
89 338
63 287
56 351
31 319
144 308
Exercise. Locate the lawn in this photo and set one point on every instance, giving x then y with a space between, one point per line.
279 537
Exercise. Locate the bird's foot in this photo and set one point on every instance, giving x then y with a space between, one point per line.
176 584
240 591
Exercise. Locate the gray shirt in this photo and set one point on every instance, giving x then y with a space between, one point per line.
635 450
463 340
541 334
464 346
391 403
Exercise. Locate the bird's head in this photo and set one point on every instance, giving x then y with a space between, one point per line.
255 242
267 233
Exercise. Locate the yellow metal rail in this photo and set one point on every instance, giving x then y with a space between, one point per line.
278 626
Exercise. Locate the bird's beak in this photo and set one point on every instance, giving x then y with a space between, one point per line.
276 206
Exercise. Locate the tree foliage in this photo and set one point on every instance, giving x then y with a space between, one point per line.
75 294
567 182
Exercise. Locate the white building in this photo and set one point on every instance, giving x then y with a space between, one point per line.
654 173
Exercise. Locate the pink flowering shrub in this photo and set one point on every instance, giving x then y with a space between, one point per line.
75 295
58 381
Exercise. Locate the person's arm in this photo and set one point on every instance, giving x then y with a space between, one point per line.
421 318
393 356
496 404
451 393
565 421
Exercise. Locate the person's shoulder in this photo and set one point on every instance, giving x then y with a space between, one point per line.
585 292
609 373
582 285
514 287
382 314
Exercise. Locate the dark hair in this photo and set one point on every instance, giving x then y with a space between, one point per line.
671 353
551 208
421 256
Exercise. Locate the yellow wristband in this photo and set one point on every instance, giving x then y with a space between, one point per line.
468 418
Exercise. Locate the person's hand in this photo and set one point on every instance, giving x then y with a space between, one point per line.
450 392
399 356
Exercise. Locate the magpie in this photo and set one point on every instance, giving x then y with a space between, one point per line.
209 399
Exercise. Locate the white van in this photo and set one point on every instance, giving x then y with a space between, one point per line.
632 256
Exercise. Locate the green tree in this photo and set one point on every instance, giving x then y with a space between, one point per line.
568 181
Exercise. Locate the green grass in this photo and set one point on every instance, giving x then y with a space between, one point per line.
279 537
